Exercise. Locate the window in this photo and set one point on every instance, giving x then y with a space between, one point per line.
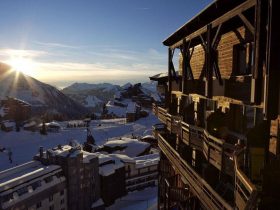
22 191
62 201
52 207
39 205
48 179
62 192
51 198
242 59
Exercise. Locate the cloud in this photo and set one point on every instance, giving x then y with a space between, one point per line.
8 52
108 65
57 45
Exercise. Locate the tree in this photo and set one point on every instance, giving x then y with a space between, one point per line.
43 130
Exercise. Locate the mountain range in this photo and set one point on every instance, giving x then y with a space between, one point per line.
94 96
43 98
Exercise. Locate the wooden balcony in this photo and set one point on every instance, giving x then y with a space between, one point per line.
213 149
161 114
245 191
208 196
158 129
220 154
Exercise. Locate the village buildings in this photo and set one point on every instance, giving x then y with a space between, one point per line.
220 144
67 177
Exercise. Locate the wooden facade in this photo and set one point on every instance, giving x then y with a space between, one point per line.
222 109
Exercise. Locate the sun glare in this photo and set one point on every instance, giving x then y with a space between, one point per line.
23 65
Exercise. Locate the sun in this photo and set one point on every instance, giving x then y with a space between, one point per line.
21 64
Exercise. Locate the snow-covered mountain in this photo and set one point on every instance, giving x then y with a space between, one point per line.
42 97
93 96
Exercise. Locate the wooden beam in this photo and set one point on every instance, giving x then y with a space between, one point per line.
184 66
216 35
209 63
247 23
227 16
167 104
203 43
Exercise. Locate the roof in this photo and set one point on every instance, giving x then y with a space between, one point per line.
207 15
132 107
27 171
131 147
161 76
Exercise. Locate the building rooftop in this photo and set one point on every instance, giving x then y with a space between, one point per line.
22 173
210 13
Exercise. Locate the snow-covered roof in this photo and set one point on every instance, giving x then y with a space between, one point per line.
133 147
65 150
30 124
8 124
131 107
87 156
158 76
117 110
148 137
53 124
113 163
19 174
147 160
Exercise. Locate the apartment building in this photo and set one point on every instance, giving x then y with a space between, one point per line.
33 186
141 171
81 171
220 144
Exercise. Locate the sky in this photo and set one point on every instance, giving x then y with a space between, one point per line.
65 41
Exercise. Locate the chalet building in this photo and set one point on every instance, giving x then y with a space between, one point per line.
220 144
132 112
16 109
33 186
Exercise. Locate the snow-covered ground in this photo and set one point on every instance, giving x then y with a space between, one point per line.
25 144
137 200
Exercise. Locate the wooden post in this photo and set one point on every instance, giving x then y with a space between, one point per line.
209 63
271 89
168 98
184 66
259 52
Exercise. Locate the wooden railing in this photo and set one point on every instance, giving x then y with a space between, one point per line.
245 191
219 153
208 196
213 149
155 109
161 114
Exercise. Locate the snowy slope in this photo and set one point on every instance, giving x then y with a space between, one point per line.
92 95
38 94
86 86
25 144
92 101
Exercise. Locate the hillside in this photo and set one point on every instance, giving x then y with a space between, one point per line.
43 98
